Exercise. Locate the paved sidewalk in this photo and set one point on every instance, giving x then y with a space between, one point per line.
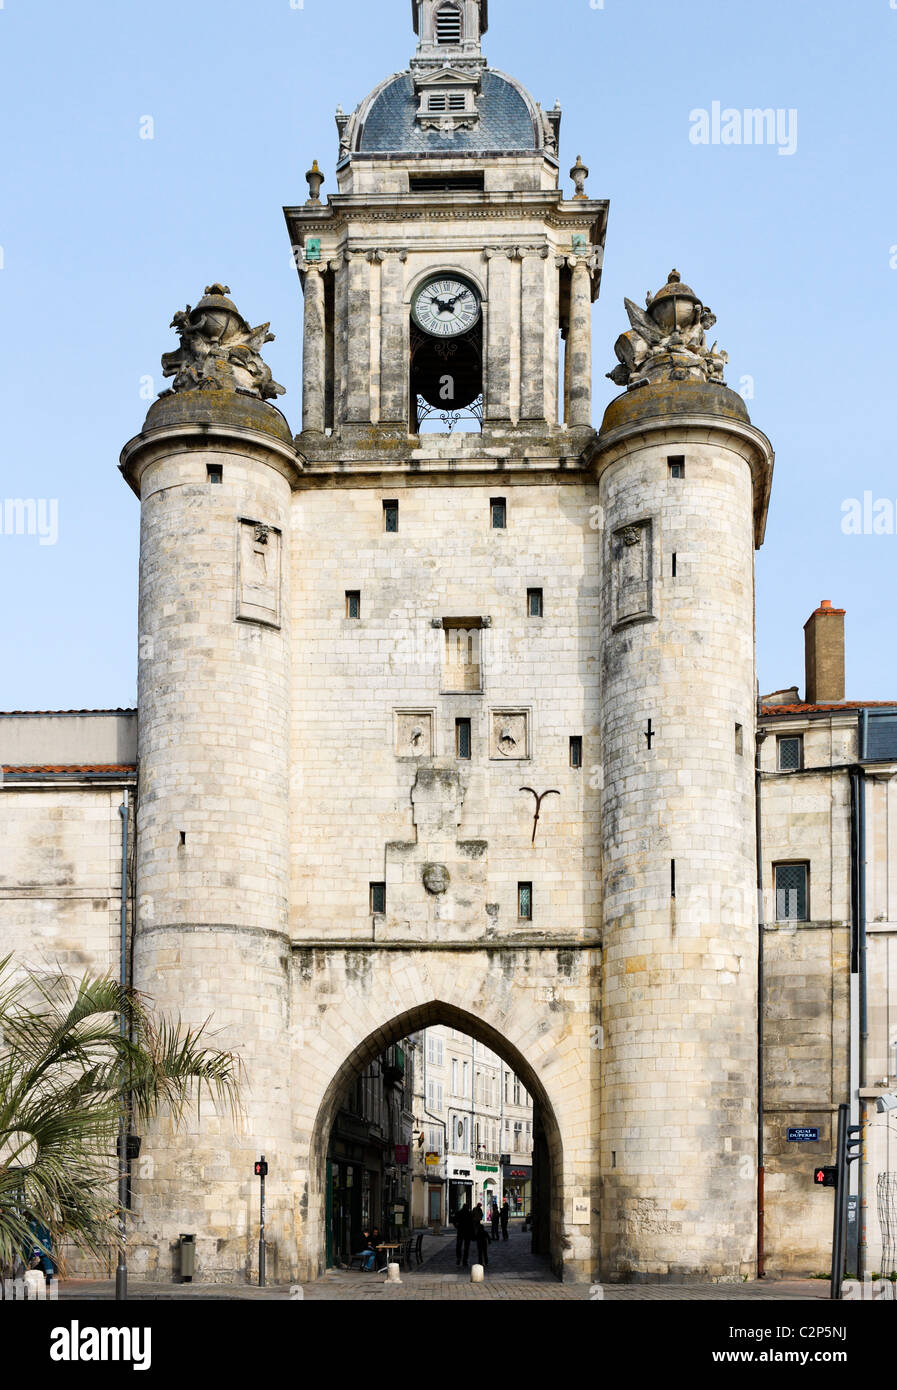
513 1273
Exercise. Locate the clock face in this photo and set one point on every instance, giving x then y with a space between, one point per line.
446 307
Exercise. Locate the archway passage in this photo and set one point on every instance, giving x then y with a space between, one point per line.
433 1112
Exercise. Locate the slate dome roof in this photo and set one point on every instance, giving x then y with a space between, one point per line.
508 121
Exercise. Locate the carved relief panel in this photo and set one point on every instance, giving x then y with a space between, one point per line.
414 733
632 570
258 572
509 734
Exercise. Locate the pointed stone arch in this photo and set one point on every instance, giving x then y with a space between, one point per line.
528 1006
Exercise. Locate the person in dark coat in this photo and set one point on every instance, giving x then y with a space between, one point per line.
482 1235
494 1218
505 1216
463 1223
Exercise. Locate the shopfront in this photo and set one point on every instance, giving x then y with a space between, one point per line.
460 1188
518 1187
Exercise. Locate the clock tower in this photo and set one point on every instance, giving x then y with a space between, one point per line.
447 279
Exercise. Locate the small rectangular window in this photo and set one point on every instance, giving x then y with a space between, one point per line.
499 513
436 102
576 750
790 753
675 564
672 878
378 897
739 740
534 602
457 101
353 603
462 738
525 902
214 472
676 465
390 516
792 884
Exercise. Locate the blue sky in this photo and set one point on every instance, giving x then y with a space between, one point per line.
105 234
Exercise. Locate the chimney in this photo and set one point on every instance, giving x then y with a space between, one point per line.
824 648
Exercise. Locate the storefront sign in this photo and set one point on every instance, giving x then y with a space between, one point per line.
402 1153
487 1168
431 1159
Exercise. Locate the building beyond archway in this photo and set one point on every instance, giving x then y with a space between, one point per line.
547 1237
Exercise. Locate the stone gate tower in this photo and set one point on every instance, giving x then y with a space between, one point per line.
369 653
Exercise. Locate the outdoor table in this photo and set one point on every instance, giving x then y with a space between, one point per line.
387 1248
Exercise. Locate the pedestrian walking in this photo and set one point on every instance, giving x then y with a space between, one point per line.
463 1224
505 1216
494 1218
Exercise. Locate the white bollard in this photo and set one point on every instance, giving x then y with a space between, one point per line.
35 1284
393 1274
477 1274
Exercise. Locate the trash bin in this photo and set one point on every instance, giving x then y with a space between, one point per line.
188 1258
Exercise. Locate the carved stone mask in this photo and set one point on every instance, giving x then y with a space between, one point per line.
436 879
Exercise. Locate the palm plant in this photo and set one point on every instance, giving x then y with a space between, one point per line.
67 1067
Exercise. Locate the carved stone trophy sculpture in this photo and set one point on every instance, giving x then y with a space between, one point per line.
668 342
219 351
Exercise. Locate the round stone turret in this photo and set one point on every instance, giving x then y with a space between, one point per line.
683 479
214 469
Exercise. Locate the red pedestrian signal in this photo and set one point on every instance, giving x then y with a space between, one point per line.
261 1169
825 1177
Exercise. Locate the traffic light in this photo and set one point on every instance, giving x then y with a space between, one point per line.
261 1168
825 1177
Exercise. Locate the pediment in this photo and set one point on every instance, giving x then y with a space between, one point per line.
448 77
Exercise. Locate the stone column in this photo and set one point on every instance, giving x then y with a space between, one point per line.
578 369
313 351
532 334
340 270
394 363
498 351
358 391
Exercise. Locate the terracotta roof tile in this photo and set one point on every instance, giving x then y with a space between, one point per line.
845 707
72 768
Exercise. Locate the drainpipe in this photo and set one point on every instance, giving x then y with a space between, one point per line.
121 1269
761 1171
858 966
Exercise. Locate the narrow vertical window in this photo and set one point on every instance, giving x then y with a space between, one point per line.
739 740
534 603
499 513
462 738
576 750
792 883
214 472
672 878
525 902
391 516
676 465
353 603
378 897
675 558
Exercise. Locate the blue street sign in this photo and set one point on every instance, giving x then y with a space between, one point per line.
803 1136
